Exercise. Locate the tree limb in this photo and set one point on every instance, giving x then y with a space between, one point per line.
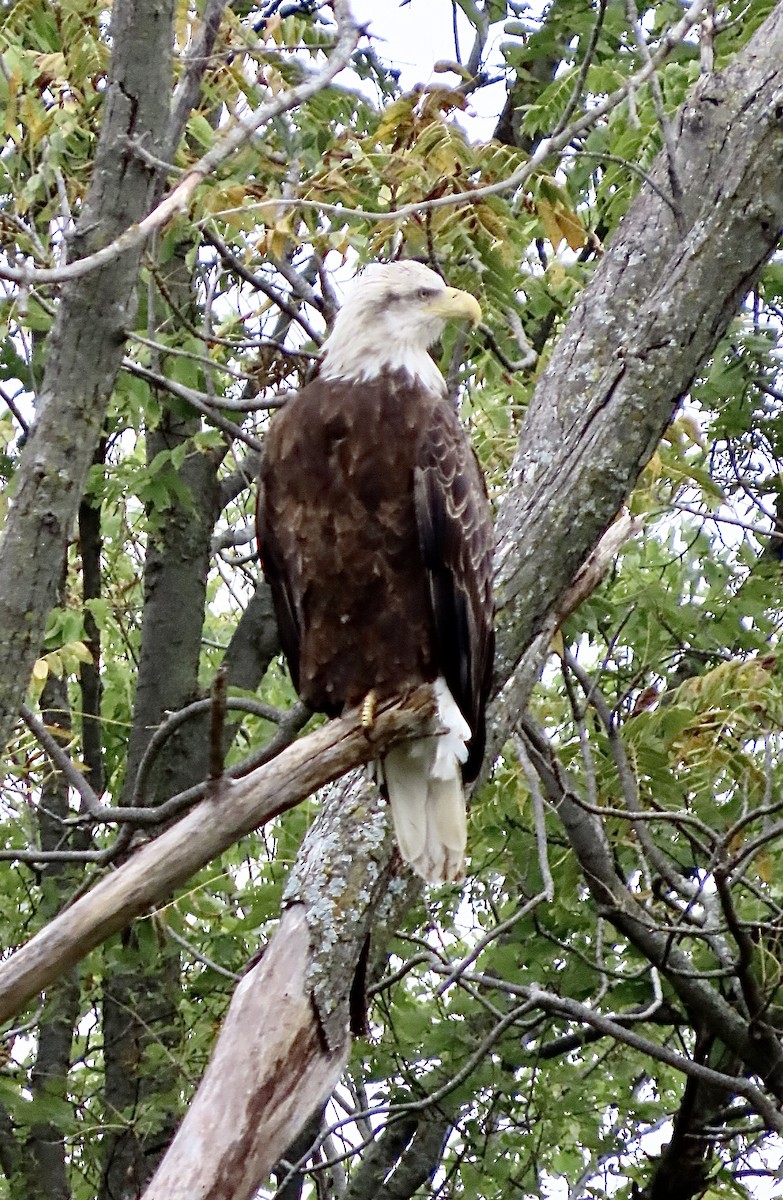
654 310
228 814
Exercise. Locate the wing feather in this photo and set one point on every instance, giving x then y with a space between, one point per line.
277 574
455 535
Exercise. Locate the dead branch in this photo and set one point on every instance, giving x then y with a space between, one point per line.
235 809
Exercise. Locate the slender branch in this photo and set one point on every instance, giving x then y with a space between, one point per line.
489 937
610 1027
202 359
721 519
667 869
196 60
663 121
62 761
178 200
538 818
232 811
198 400
595 34
632 168
199 956
261 284
175 719
14 410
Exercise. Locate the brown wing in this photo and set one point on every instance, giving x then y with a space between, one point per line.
287 607
455 534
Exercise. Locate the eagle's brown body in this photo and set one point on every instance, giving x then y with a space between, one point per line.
364 488
376 539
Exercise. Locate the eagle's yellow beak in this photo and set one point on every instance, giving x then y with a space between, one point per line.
455 305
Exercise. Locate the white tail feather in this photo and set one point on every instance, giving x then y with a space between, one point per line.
424 784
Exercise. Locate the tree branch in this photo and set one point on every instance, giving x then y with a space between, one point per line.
177 201
612 384
231 812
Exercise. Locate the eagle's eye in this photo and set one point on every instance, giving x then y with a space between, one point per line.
426 293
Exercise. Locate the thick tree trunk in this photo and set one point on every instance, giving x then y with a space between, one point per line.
84 350
89 523
683 1170
655 309
42 1173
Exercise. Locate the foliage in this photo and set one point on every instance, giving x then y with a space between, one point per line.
680 642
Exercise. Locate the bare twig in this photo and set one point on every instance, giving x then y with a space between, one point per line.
261 284
609 1027
196 60
576 94
348 35
175 719
199 956
198 400
663 120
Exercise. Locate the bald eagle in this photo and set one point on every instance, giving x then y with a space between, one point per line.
376 539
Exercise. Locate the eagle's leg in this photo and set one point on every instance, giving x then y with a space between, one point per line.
369 708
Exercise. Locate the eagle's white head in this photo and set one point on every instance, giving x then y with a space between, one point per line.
393 314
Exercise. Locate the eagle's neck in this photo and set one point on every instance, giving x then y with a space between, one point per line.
362 347
359 364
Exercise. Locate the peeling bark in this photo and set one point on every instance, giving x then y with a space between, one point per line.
270 1070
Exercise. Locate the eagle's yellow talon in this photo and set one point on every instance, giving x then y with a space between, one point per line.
369 709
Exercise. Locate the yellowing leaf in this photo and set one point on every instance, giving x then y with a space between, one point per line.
271 31
573 229
764 868
654 467
11 113
55 663
561 223
40 670
280 236
397 116
51 68
491 221
183 22
77 650
34 117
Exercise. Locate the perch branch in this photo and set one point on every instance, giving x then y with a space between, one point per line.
235 809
